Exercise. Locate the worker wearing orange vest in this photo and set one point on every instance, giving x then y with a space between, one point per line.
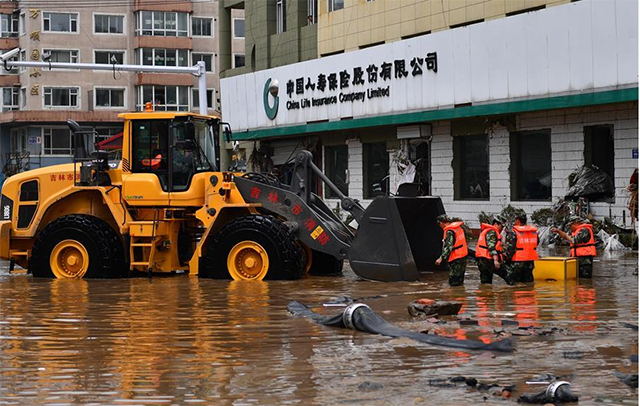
454 249
489 249
520 249
583 244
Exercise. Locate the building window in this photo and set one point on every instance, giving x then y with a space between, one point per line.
335 5
9 25
312 12
471 167
599 148
60 22
108 24
160 23
281 16
202 26
211 104
530 165
18 139
238 28
61 97
163 57
10 98
109 57
23 98
23 58
109 98
207 58
238 60
22 24
62 55
57 141
376 169
336 162
164 98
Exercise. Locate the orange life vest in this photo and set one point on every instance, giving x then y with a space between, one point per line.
526 243
587 249
482 251
460 244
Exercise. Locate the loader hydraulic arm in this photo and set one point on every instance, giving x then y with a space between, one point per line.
300 184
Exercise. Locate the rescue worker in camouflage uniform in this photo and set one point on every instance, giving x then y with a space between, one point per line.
583 244
454 249
520 249
489 249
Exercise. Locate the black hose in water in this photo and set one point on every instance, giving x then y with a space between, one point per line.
360 317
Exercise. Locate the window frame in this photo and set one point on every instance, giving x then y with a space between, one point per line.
77 19
44 141
328 193
77 57
15 97
312 11
23 98
124 23
52 107
365 173
213 60
233 28
140 97
139 30
233 60
281 16
331 6
140 54
120 51
13 18
22 24
211 19
212 102
110 88
515 165
459 169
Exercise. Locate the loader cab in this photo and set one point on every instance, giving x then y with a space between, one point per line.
166 151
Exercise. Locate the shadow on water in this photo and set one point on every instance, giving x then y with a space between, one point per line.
182 340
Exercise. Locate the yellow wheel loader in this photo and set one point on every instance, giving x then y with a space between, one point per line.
165 207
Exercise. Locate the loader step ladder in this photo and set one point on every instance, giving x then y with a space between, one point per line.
143 246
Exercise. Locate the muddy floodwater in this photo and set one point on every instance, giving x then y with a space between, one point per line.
179 340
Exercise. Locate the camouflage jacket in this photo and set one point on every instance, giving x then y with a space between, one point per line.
492 240
448 245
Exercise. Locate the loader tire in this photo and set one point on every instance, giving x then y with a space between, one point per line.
255 247
77 246
325 265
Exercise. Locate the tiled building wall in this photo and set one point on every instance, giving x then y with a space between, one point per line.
362 23
567 149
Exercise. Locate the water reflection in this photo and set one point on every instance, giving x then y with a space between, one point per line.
182 340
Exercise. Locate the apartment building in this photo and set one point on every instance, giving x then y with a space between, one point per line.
494 102
37 102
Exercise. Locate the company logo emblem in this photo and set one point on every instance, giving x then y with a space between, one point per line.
271 88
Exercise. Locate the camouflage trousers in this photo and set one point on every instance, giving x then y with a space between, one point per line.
585 267
457 269
521 271
486 268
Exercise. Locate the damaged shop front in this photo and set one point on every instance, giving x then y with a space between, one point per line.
495 113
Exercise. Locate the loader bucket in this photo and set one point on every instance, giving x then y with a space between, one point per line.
397 238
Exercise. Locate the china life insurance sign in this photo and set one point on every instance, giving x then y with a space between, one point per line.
528 56
361 83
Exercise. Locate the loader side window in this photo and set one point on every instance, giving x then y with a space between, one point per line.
150 148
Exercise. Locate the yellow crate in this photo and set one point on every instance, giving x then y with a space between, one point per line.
557 268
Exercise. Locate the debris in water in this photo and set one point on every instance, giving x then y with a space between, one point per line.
425 307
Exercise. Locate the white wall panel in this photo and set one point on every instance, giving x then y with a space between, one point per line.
585 46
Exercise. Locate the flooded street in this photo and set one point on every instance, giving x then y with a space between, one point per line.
180 340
